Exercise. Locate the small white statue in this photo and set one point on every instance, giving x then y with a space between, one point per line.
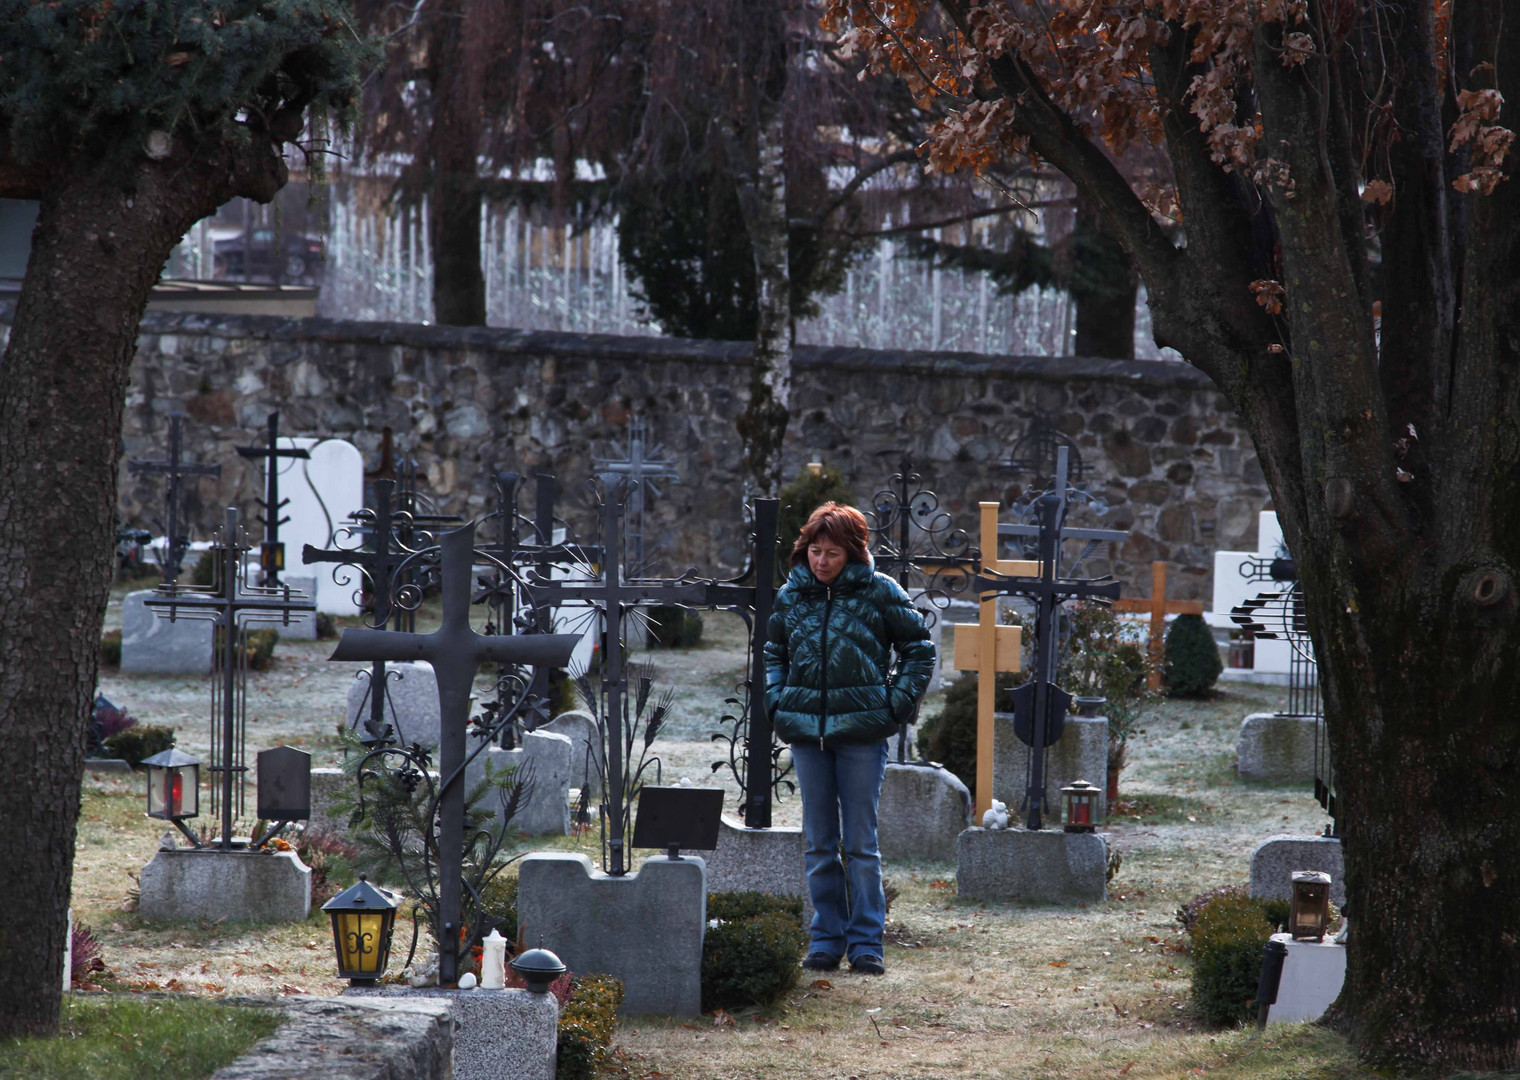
493 962
997 816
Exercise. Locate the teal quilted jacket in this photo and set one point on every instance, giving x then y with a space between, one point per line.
828 657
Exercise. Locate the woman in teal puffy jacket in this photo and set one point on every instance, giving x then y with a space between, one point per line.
833 694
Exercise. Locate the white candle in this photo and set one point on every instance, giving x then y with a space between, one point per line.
493 962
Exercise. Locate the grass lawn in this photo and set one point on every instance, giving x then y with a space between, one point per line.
128 1037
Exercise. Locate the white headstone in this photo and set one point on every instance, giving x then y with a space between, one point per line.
1231 589
323 490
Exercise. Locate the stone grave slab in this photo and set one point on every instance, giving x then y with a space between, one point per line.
411 704
585 748
1275 749
239 886
303 627
383 1039
498 1033
323 490
645 928
546 811
759 860
1312 976
1048 866
921 813
1081 753
154 646
1275 859
325 784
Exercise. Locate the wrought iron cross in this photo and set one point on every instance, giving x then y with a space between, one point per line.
231 605
272 552
173 468
1040 705
642 467
456 652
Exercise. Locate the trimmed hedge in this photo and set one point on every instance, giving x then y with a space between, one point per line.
110 649
587 1023
674 627
949 736
1228 936
751 950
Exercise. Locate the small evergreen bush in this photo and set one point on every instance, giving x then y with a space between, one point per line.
261 645
799 499
1228 936
1192 658
674 627
138 742
730 906
110 649
587 1023
752 960
949 736
327 627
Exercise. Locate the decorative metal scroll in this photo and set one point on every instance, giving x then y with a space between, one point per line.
917 542
1280 615
1037 452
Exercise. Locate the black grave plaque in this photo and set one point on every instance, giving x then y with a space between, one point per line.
678 817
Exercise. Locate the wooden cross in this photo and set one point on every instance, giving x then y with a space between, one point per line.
989 649
456 652
1158 607
176 541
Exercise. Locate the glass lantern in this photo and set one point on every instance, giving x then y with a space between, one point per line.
174 785
1309 917
363 918
1079 807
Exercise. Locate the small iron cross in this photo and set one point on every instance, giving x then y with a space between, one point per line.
173 468
272 552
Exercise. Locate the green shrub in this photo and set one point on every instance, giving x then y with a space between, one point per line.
327 627
729 906
140 741
110 649
587 1023
498 905
204 573
799 499
261 645
1192 658
949 736
674 627
751 961
1227 945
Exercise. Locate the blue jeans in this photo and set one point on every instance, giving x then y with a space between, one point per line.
843 783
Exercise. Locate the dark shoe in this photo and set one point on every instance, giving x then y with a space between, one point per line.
821 961
868 965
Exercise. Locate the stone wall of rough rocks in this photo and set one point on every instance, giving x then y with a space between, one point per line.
1160 445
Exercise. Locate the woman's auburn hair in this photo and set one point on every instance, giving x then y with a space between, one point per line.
844 525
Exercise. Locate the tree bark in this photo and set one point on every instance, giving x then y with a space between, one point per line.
1104 287
100 241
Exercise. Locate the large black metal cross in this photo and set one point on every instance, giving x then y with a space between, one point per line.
271 551
231 605
173 468
612 594
1040 705
456 652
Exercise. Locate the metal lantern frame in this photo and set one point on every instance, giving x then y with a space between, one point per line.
1309 915
163 771
363 924
1079 807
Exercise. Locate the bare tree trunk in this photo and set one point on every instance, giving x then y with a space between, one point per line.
459 285
1104 286
762 200
96 252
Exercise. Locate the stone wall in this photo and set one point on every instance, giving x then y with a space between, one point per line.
1161 445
